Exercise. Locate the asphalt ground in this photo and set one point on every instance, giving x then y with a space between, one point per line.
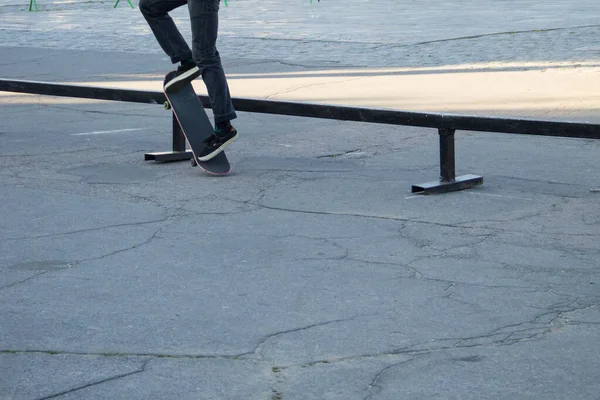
311 272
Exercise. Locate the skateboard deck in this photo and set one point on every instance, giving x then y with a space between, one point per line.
196 127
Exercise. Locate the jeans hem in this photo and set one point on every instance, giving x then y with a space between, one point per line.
225 117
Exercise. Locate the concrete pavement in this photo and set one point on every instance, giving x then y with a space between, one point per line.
311 272
465 56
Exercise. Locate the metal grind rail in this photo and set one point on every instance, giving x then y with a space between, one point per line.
446 124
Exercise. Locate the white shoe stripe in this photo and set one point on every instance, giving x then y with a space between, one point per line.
218 150
182 77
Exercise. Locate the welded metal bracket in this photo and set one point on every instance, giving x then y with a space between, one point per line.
448 181
179 152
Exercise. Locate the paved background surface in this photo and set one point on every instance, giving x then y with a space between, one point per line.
516 57
311 272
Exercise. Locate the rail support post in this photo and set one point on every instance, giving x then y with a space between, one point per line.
448 181
179 152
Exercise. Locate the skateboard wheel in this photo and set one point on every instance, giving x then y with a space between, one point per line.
167 105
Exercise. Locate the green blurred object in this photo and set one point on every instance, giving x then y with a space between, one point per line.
129 1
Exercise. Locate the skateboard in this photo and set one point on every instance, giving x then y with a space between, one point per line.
196 127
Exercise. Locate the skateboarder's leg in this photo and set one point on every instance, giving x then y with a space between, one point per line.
204 16
168 36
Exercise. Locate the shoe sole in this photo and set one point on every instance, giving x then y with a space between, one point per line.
218 150
177 83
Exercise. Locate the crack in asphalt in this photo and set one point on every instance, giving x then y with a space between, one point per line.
340 154
496 337
72 264
490 34
168 218
122 354
28 279
87 385
509 338
239 356
507 335
87 230
258 347
343 214
375 380
460 225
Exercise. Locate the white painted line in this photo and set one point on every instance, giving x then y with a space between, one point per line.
413 197
499 195
104 132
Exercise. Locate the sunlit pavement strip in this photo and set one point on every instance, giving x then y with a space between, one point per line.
499 195
108 132
302 275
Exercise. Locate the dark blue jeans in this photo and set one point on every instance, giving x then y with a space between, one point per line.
204 16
